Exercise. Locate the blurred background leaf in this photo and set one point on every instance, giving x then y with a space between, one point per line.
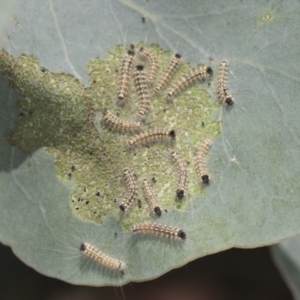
287 258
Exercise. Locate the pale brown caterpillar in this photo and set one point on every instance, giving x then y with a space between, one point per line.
224 96
142 91
125 72
102 258
182 172
152 61
165 231
202 74
154 135
116 123
151 199
200 161
131 187
169 73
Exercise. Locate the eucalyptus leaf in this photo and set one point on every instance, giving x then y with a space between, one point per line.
253 197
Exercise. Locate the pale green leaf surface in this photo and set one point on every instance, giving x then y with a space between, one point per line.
254 197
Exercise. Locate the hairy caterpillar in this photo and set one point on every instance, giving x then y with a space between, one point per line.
151 199
125 74
152 61
150 136
202 74
200 161
224 96
169 73
182 171
142 91
102 258
131 187
116 123
165 231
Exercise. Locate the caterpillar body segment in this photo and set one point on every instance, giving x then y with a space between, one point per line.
201 154
151 198
142 91
224 96
116 123
103 259
160 230
152 136
152 61
132 191
201 74
125 73
169 73
181 167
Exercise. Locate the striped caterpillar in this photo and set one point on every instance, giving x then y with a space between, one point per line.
182 171
131 187
161 230
224 96
169 73
151 199
202 74
142 91
200 162
152 61
154 135
116 123
101 258
125 74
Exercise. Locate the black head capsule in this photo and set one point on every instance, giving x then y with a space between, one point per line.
181 234
122 207
157 211
131 46
209 71
140 67
130 52
229 101
205 179
180 194
172 134
82 247
139 203
177 55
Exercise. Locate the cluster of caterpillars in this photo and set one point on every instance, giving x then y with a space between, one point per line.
143 81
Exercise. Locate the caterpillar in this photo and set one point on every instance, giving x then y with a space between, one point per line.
151 199
169 73
152 61
202 74
142 91
116 123
125 74
165 231
102 258
224 96
182 171
131 187
154 135
200 162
